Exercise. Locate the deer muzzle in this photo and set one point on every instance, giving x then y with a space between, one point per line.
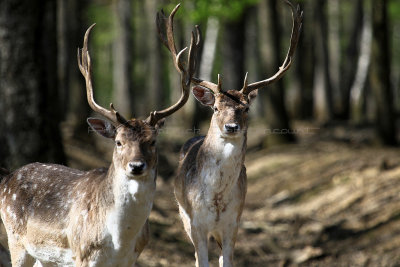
231 128
137 167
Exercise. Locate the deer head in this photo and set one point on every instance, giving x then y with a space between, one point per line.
135 150
231 107
135 139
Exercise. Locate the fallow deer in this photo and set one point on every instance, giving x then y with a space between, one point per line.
211 182
58 216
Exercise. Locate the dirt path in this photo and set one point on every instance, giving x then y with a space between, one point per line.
331 200
317 204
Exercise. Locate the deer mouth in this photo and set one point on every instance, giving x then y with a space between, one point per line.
137 173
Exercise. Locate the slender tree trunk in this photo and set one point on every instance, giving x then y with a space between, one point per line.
380 74
29 98
157 95
253 53
273 96
333 40
349 59
358 90
70 30
323 105
233 37
122 57
305 61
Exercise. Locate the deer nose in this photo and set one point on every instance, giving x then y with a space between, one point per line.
137 167
231 127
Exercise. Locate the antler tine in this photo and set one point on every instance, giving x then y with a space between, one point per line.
216 88
195 43
245 83
297 17
165 27
210 85
85 67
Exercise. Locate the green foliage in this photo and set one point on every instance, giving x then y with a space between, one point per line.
104 19
101 39
394 9
200 10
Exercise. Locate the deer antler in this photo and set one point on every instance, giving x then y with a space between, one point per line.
216 88
86 69
165 29
297 16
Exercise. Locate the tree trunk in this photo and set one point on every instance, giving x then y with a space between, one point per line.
252 64
157 95
304 62
233 37
29 98
349 59
380 74
122 57
358 87
273 97
70 31
332 9
324 97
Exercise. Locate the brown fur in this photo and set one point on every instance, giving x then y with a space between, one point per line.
190 188
53 198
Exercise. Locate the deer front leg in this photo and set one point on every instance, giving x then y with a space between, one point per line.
199 239
19 256
228 244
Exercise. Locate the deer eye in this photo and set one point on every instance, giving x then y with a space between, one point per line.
246 109
153 143
215 109
118 143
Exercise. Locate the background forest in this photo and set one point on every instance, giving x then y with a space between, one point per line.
323 164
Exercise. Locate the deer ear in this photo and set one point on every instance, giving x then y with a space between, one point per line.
102 127
203 95
252 96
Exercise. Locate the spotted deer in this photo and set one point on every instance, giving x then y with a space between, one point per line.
58 216
211 182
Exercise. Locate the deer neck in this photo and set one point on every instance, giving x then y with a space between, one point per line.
128 189
133 200
222 158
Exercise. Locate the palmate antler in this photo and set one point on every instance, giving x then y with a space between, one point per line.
86 69
297 16
165 29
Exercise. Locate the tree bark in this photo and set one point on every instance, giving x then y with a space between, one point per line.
380 74
349 59
122 57
233 49
358 87
252 64
29 100
304 62
275 110
70 31
323 105
157 95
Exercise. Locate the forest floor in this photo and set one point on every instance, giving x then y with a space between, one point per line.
332 199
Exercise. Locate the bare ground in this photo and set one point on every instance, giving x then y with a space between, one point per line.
330 200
